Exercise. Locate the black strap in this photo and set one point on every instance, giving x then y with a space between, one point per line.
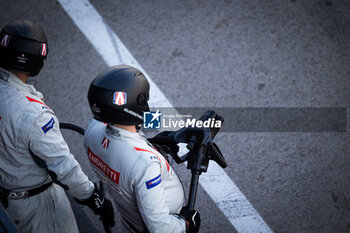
28 193
6 194
40 189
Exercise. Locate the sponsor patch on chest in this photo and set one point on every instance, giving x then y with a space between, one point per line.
108 171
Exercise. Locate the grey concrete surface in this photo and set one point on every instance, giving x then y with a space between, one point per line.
224 54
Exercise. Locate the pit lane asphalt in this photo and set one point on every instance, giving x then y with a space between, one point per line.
227 54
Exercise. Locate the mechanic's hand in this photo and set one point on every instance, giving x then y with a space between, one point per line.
100 205
166 142
192 218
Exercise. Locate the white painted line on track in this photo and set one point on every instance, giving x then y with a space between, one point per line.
216 182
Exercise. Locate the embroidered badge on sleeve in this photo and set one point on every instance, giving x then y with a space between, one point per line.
153 182
49 125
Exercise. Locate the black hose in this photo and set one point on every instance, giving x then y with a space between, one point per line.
73 127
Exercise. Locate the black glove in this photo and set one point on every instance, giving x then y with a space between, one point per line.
192 218
100 205
166 142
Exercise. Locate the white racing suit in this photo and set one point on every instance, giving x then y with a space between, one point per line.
29 128
146 190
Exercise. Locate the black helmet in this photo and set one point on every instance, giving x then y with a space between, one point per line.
23 47
119 95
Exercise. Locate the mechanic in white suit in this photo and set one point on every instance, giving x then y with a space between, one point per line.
33 151
146 190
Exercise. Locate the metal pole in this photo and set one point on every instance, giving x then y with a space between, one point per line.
102 190
193 189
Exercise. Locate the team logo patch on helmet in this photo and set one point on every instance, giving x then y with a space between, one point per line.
5 41
119 98
43 50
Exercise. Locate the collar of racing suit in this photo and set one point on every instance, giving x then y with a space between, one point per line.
119 132
14 81
116 131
